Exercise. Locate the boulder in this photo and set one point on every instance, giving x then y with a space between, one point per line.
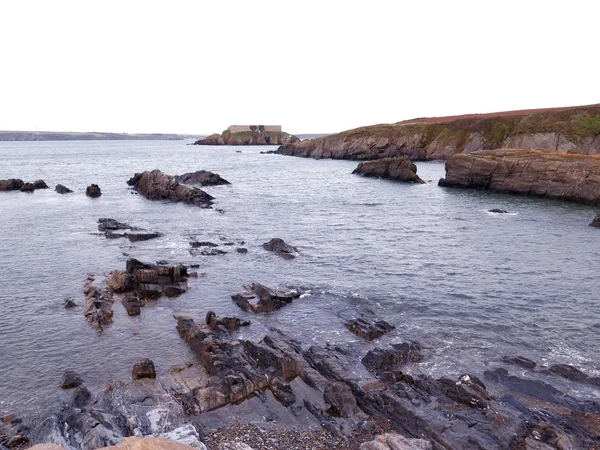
11 184
520 361
340 399
70 379
279 247
202 177
93 191
385 360
157 185
62 189
258 298
399 168
144 368
98 304
368 330
40 184
596 221
132 305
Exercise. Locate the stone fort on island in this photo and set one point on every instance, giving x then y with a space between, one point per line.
247 128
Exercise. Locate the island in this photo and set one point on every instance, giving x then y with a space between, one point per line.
250 135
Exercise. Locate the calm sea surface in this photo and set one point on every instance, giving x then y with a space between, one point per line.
468 285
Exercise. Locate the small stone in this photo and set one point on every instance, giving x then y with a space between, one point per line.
62 189
144 368
69 303
70 379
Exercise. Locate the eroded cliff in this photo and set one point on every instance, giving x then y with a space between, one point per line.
574 129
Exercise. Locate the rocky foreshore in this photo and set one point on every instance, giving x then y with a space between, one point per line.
538 173
575 129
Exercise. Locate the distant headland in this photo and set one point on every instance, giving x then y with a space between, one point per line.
88 136
250 135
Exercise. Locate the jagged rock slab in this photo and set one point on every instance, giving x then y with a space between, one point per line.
202 177
157 185
278 246
537 173
399 168
258 298
368 330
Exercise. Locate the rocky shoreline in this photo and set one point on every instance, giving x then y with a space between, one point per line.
249 138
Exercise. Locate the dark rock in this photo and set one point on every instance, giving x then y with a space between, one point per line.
385 360
196 244
283 393
93 191
281 248
596 221
70 379
498 211
202 177
69 303
12 184
258 298
144 368
105 224
142 236
149 291
157 185
174 290
28 187
520 361
256 137
40 184
132 305
340 399
62 189
81 397
212 252
399 168
98 305
367 330
572 373
241 250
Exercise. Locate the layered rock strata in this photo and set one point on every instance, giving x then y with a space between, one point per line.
537 173
399 168
575 129
157 185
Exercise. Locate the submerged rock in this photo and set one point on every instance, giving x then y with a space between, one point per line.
109 226
62 189
157 185
498 211
202 177
279 247
70 379
93 191
258 298
399 168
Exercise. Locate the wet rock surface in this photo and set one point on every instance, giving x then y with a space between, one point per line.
93 191
368 330
399 168
16 184
202 177
156 185
70 379
144 368
111 228
257 298
278 246
596 222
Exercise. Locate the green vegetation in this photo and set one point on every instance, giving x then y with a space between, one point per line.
587 126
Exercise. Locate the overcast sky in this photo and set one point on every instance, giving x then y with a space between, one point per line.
311 66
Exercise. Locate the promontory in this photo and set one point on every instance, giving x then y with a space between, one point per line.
250 135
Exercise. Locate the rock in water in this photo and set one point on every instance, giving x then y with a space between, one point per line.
70 379
62 189
202 177
367 330
258 298
399 168
278 246
596 221
498 211
12 184
144 368
157 185
93 191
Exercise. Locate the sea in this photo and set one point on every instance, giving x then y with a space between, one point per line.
468 285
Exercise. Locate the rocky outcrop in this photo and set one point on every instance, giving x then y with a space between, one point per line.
278 246
574 129
596 221
258 298
368 330
93 191
111 226
202 177
157 185
537 173
62 189
98 304
399 168
249 138
16 184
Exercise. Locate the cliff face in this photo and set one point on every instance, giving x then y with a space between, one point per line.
249 138
527 172
575 129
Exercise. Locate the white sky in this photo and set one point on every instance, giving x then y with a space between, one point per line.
311 66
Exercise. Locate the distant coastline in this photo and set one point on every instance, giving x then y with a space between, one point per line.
88 136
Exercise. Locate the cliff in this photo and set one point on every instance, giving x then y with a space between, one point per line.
538 173
573 129
249 138
75 136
